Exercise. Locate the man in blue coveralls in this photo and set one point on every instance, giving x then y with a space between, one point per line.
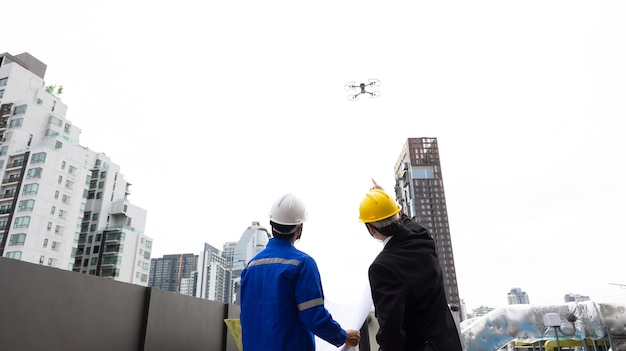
282 302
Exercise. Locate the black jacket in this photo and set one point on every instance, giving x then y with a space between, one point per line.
408 294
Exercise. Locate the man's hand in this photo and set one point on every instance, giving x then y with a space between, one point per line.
376 186
353 337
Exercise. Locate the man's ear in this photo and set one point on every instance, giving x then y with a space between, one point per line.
299 232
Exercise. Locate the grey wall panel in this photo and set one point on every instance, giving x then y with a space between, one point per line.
43 308
177 322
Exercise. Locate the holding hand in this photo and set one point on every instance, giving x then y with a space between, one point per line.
353 337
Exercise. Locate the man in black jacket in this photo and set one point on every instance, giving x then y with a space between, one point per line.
406 281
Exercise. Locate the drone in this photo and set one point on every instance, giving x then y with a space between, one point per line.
361 87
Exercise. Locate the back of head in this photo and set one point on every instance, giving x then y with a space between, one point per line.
287 214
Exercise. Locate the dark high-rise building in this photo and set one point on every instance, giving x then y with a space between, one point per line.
419 189
167 272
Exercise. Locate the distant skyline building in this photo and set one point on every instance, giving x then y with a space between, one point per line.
169 271
213 277
481 311
419 190
517 297
253 240
569 297
61 204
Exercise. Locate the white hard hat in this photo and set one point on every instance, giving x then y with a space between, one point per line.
288 210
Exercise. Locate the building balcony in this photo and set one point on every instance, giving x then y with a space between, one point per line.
7 196
10 180
16 164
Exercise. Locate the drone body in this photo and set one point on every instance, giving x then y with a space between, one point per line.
361 88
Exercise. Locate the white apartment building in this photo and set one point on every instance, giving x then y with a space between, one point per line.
61 204
253 240
213 277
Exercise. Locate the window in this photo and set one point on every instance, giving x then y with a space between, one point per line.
39 157
4 209
69 184
52 262
3 225
58 229
3 81
26 205
91 194
51 133
101 185
99 195
39 101
17 239
4 150
422 172
34 173
60 179
58 145
94 261
16 123
98 238
30 189
94 217
71 170
55 246
56 194
55 121
66 199
62 214
96 249
20 110
103 174
53 209
7 136
1 93
68 128
14 254
92 228
49 226
22 222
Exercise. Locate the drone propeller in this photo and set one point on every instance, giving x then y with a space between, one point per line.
353 97
375 94
374 82
350 85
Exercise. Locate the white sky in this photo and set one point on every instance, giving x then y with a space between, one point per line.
215 110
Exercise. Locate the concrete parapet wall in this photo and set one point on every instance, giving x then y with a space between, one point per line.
43 308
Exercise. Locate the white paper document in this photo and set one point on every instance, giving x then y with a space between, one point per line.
350 315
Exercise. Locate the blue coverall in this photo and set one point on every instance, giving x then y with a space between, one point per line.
282 303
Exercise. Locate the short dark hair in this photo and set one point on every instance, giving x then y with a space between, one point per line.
284 231
389 230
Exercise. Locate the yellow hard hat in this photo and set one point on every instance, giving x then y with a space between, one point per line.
376 206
